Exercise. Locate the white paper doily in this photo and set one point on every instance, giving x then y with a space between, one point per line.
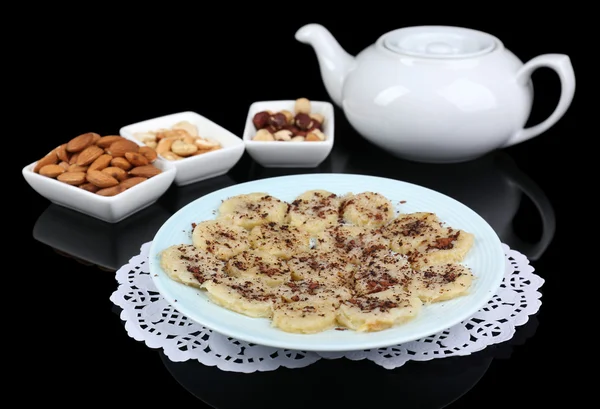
149 318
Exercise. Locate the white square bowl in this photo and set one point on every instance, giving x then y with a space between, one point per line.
111 209
195 168
277 154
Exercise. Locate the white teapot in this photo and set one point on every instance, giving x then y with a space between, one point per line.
436 94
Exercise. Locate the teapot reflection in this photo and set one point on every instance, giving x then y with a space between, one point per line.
432 384
492 186
92 241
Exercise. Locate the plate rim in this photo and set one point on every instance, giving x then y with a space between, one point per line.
274 343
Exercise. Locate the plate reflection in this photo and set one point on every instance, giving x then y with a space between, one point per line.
425 385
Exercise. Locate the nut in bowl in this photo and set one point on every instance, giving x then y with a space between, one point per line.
106 177
289 133
198 148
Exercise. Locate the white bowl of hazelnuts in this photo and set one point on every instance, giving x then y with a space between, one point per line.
289 133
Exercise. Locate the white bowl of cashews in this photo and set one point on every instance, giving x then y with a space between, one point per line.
199 148
289 133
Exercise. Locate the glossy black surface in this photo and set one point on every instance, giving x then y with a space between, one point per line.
73 342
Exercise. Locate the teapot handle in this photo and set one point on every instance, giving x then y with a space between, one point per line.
533 250
561 64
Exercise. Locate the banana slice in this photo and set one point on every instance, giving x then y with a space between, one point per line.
312 291
314 210
308 306
330 268
350 240
186 264
222 239
258 265
426 240
248 297
381 270
367 209
280 240
304 317
442 282
253 209
378 311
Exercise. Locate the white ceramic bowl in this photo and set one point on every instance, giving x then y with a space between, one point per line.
278 154
110 209
200 167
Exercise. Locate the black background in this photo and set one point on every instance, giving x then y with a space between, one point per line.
97 70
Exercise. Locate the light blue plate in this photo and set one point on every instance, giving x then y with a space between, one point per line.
486 259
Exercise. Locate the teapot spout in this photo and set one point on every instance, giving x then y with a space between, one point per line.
334 61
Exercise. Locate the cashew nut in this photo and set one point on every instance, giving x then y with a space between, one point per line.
189 127
283 135
171 156
183 149
319 134
312 137
298 138
164 145
189 139
145 136
205 143
263 135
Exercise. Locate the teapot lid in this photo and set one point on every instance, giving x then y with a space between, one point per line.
439 42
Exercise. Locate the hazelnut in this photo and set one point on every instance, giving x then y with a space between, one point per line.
271 128
277 120
297 138
260 119
304 122
263 135
302 106
283 135
288 116
317 118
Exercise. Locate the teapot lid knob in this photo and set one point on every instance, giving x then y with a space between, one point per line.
439 42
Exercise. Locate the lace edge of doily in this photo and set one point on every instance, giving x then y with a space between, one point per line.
536 281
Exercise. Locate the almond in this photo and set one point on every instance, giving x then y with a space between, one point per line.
61 152
73 158
105 141
64 165
136 159
120 148
149 153
147 171
127 183
101 179
96 139
77 168
89 154
101 162
72 178
52 171
49 159
121 163
111 191
312 137
116 173
90 187
81 142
